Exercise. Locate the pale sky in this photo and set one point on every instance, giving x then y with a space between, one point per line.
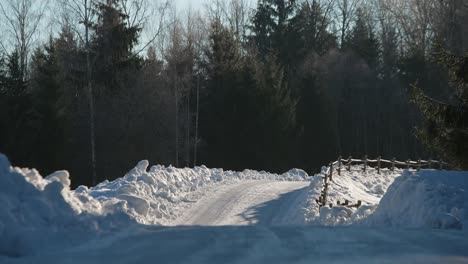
182 4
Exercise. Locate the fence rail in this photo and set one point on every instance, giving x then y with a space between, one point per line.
381 164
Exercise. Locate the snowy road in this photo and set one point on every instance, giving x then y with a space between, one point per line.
225 217
250 203
262 244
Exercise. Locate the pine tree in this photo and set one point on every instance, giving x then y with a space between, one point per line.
445 129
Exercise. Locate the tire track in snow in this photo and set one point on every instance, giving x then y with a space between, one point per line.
249 203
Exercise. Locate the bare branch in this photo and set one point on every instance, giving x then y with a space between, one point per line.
23 19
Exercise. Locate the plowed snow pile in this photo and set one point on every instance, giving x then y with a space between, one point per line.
430 199
355 185
34 209
39 213
423 199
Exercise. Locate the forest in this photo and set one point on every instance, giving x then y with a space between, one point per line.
94 86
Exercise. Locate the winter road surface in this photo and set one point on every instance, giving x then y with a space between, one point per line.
250 203
262 244
258 222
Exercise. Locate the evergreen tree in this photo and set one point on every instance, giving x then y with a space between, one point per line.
3 76
389 54
362 40
247 110
3 102
15 84
272 33
218 109
46 96
311 26
445 129
16 123
112 45
275 116
263 28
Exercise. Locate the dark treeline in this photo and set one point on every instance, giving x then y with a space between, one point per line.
283 84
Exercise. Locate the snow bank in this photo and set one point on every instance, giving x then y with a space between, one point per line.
153 197
409 199
36 209
368 187
434 199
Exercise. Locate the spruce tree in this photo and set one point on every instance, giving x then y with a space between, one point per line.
112 45
17 122
311 25
275 116
3 102
445 128
363 41
218 107
46 94
271 29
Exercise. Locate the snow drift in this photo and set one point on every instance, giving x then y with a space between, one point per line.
407 199
431 199
356 185
36 209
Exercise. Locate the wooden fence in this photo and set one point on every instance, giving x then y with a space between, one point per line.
366 165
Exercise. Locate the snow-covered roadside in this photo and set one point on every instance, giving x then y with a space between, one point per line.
356 185
154 196
44 215
39 211
406 199
425 199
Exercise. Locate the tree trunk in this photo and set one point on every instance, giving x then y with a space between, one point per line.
176 119
196 123
188 128
91 96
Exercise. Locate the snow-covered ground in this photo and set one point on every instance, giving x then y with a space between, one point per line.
356 185
402 198
250 203
154 215
37 212
425 199
262 244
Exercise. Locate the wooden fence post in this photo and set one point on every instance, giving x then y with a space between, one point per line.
408 162
419 164
378 165
393 164
339 165
365 162
441 164
349 163
325 194
331 171
430 163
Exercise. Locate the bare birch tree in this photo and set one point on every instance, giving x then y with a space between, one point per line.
413 19
345 14
23 19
